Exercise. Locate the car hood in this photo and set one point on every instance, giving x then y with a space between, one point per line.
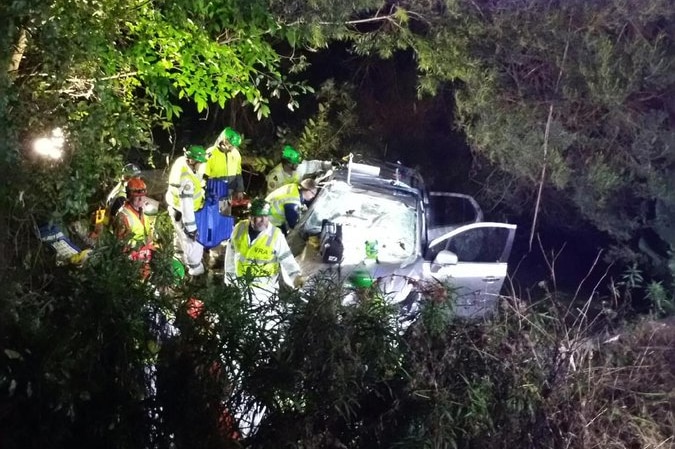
394 278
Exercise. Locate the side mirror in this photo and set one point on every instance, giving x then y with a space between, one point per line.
443 258
446 257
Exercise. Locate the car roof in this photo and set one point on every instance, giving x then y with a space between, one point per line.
381 175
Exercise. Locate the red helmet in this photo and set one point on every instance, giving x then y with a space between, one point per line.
136 187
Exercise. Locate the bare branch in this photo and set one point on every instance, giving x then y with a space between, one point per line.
546 134
389 17
17 54
543 175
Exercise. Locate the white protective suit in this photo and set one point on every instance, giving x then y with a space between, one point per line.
184 196
263 287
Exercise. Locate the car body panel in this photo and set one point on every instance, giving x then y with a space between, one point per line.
476 256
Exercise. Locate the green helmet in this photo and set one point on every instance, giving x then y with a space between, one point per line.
291 155
361 279
231 136
196 153
260 208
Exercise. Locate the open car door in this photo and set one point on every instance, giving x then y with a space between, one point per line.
447 211
472 259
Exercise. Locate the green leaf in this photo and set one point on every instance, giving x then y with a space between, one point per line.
201 103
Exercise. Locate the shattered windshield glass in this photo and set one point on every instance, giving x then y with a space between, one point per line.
378 216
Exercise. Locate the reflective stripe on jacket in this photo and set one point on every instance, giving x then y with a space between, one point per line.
288 194
133 226
278 177
257 258
184 183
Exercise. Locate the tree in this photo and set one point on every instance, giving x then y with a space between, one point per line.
575 96
590 82
110 72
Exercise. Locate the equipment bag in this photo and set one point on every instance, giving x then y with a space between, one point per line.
330 246
52 236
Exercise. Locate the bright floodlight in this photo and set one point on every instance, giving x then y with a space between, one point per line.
50 147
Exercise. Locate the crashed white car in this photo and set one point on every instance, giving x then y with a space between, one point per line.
381 223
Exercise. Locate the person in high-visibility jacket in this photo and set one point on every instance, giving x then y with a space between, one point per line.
258 258
130 223
286 203
104 216
259 252
292 169
185 196
116 196
133 227
224 162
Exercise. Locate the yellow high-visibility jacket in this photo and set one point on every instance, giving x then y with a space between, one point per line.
288 194
185 193
133 226
278 177
225 165
264 257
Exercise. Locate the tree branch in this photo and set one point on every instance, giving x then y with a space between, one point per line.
546 134
17 54
350 22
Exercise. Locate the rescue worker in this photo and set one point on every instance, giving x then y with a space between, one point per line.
136 230
133 227
287 201
130 223
115 198
259 251
185 196
103 216
258 254
224 161
292 169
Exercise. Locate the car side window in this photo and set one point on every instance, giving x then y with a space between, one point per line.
482 245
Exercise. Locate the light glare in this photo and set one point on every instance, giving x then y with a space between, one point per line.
50 147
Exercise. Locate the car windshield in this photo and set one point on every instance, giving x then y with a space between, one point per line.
387 217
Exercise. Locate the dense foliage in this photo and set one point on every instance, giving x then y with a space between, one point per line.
585 89
567 106
92 362
575 97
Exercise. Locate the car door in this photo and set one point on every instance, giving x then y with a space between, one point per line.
473 260
446 211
